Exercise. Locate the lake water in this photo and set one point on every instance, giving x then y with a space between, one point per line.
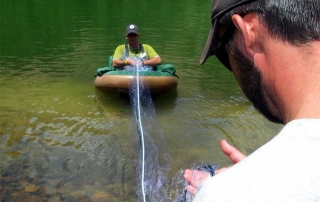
62 140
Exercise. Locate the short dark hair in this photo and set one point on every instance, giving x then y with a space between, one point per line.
294 21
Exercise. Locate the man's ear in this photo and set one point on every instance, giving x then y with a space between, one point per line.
245 26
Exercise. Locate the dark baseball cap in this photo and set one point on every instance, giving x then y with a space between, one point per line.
132 28
219 8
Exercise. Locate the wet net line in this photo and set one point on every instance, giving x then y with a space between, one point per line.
140 130
154 159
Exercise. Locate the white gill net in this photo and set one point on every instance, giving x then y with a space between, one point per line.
154 160
152 184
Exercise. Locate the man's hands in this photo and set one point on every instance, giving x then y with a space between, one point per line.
122 63
127 62
196 177
131 62
233 153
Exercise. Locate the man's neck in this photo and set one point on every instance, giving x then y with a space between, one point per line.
296 72
134 46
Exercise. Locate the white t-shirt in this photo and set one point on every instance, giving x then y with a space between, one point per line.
286 169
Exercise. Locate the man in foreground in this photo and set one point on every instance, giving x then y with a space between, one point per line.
134 52
273 49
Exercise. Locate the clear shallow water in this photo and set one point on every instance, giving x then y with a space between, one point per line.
62 140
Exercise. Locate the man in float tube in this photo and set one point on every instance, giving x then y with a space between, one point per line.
133 52
273 49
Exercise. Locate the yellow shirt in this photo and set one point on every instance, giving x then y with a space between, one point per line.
120 52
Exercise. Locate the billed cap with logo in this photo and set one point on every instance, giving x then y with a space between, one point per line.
132 28
219 8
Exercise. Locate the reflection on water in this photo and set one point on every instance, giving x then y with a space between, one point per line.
61 140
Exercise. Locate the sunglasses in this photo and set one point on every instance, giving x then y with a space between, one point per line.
221 52
132 35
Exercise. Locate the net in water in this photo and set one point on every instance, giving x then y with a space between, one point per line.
152 184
